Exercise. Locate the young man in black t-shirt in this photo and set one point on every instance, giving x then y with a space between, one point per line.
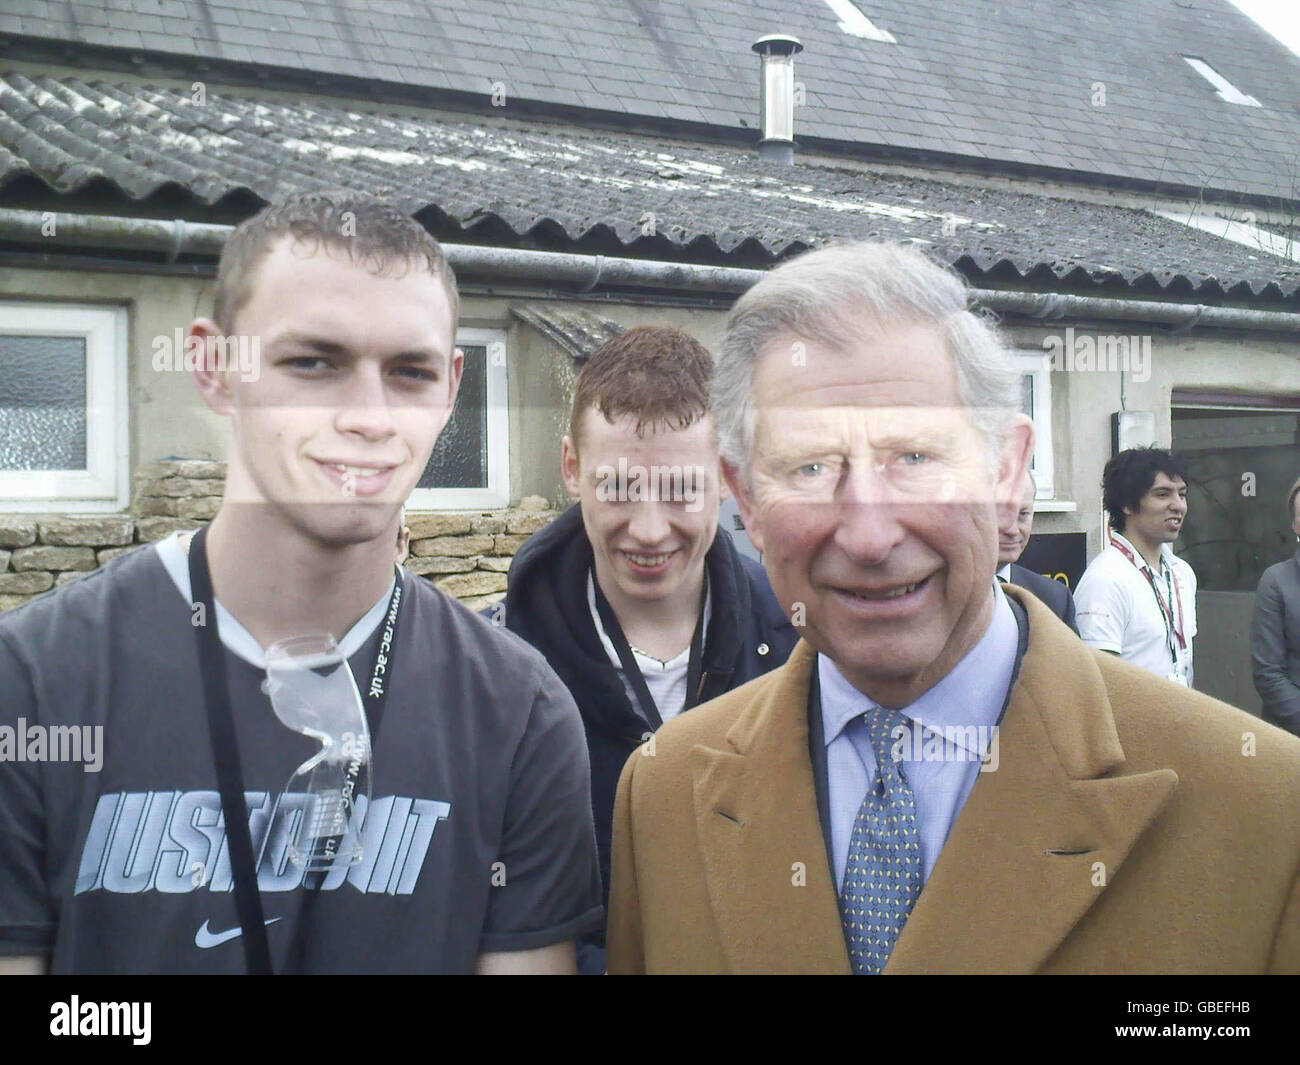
478 852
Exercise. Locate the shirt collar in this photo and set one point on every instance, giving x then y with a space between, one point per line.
972 693
1166 552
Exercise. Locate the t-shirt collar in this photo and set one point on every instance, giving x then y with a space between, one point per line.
237 639
608 644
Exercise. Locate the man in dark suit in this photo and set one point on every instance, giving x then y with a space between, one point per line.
1013 538
1275 633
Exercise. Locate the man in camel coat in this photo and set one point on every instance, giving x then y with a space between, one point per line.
942 778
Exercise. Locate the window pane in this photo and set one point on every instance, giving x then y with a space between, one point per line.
42 403
459 459
1027 407
1236 524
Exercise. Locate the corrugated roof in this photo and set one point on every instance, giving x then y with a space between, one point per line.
1096 87
530 185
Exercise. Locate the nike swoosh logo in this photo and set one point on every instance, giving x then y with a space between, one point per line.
204 938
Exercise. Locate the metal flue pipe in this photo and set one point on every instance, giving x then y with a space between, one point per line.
776 98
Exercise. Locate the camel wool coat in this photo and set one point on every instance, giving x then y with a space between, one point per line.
1131 826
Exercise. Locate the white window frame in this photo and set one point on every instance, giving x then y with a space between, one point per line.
104 485
497 493
1040 367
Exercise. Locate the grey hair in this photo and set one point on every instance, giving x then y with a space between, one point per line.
826 296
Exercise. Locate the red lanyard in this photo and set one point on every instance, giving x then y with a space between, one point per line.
1166 613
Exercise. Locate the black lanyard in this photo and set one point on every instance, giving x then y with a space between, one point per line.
1166 612
694 681
225 753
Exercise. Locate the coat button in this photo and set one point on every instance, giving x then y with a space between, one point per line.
763 648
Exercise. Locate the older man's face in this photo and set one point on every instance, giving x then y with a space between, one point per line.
875 503
1014 535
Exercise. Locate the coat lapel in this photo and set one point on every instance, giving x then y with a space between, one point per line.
1032 850
759 831
1041 836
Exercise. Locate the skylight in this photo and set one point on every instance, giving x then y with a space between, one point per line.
1224 89
856 24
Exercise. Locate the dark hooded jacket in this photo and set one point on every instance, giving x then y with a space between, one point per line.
546 604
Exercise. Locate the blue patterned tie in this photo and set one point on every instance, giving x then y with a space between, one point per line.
882 878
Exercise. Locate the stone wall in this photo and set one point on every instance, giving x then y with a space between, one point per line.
466 554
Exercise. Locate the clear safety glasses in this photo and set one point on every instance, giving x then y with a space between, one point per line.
313 692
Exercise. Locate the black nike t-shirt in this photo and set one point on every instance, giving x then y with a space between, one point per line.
477 836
